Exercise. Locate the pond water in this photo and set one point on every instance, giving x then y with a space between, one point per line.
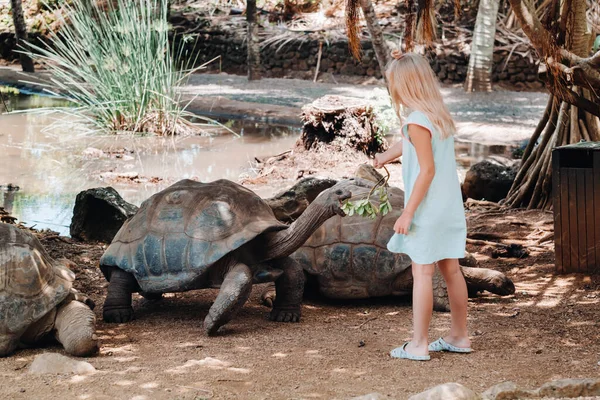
50 166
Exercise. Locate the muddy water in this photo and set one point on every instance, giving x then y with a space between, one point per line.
50 166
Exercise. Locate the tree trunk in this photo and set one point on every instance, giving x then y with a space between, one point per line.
564 122
382 52
252 42
21 34
482 49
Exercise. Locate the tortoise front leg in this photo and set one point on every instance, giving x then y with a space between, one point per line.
76 328
289 291
234 292
441 302
117 306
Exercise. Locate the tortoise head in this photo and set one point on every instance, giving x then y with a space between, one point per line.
332 198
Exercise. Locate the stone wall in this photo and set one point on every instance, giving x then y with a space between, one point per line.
298 59
8 45
451 67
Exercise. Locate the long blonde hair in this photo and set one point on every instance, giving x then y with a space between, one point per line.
413 84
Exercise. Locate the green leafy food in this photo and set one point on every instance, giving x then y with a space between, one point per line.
366 207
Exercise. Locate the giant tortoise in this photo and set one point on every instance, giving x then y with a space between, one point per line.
37 299
347 258
196 235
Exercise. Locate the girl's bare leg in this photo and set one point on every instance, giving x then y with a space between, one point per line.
458 296
422 308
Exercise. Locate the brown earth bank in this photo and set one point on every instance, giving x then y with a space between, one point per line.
547 330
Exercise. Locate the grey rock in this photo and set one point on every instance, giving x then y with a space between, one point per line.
370 396
98 214
447 391
507 391
468 261
54 363
570 388
488 180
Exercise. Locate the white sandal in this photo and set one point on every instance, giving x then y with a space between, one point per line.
400 352
442 345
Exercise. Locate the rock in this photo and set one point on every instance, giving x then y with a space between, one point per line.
570 388
370 396
488 180
447 391
507 391
99 213
92 152
468 261
54 363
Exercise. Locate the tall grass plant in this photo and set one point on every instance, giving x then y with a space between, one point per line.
115 62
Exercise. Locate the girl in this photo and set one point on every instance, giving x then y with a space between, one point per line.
432 227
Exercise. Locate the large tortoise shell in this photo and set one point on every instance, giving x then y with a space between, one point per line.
349 256
178 233
31 283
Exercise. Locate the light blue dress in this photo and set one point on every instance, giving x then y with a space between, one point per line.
438 229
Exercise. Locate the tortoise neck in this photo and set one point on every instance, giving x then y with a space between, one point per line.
283 243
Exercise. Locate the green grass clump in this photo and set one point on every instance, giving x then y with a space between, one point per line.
114 60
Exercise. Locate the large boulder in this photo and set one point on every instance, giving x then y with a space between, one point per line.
99 213
488 180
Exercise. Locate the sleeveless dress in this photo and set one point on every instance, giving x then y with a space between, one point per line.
439 228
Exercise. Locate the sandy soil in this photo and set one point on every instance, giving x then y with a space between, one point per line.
547 330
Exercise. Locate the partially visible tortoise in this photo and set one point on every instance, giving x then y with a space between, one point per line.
196 235
347 258
37 299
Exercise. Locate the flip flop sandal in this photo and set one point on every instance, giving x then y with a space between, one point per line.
400 352
442 345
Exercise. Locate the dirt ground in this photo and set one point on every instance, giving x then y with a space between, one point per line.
547 330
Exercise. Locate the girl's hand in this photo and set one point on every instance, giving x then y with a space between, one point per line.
378 161
403 223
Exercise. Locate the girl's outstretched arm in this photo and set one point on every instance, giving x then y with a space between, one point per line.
390 154
421 139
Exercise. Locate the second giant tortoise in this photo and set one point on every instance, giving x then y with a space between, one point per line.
347 258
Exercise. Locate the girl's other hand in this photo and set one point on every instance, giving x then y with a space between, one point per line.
378 161
403 223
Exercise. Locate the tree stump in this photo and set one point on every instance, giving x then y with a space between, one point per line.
337 123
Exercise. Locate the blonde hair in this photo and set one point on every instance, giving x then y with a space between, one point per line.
413 84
